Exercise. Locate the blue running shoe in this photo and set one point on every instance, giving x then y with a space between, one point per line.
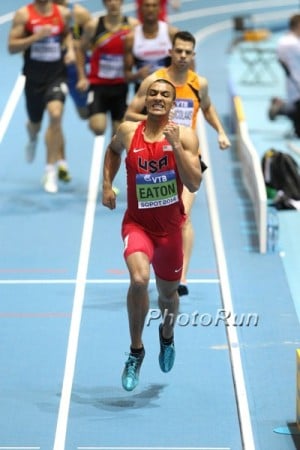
130 376
167 353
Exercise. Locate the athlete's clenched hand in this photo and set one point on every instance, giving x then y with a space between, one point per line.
109 198
171 132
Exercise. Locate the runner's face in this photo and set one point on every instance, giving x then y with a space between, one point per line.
113 6
160 98
182 53
150 10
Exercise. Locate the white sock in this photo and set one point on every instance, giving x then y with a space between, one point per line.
50 168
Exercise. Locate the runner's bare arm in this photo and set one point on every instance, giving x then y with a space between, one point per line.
185 145
68 42
82 47
211 115
18 40
112 162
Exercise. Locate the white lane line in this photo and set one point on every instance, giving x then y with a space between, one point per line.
232 336
295 148
103 281
64 406
239 383
6 18
153 448
11 105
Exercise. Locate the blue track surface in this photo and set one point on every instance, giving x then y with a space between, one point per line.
63 281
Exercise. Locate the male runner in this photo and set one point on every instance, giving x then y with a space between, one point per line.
107 88
40 31
161 157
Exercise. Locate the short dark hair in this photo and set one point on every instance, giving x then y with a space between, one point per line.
162 80
294 21
184 36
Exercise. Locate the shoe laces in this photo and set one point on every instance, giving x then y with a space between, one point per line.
167 347
132 364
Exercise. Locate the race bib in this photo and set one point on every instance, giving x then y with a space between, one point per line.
47 50
155 190
111 66
183 112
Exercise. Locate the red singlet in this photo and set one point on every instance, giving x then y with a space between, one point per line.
155 214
